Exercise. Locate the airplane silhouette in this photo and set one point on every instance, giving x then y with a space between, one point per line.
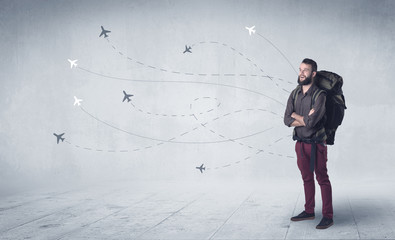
77 101
104 32
126 97
201 168
251 30
59 137
72 63
187 49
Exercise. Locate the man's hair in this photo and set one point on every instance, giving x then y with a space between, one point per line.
310 62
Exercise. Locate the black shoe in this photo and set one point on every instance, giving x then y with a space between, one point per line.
325 223
303 216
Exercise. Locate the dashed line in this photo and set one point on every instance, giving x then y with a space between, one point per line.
213 42
202 124
212 74
242 144
285 90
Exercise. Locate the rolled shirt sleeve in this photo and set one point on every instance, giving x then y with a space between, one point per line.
319 111
288 120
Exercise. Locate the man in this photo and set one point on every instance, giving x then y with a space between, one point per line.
306 112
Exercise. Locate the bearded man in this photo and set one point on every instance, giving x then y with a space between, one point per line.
306 112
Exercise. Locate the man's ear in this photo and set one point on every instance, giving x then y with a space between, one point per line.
314 73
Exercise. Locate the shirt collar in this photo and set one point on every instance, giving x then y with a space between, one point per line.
311 90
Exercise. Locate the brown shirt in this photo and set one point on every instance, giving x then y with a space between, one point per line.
302 107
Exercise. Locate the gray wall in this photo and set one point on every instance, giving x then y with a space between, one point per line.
353 38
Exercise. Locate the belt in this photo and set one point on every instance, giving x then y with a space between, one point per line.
313 154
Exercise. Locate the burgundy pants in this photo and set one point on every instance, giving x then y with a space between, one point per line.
303 153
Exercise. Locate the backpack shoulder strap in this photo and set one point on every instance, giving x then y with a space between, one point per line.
315 96
295 93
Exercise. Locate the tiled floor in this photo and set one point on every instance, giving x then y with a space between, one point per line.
195 211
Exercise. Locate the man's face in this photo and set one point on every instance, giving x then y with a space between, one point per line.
305 74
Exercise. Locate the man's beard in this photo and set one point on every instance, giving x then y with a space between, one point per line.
306 81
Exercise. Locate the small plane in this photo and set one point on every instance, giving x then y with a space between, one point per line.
104 32
73 63
187 49
201 168
77 101
251 30
127 96
59 137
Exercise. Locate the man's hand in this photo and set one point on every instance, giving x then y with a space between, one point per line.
311 112
298 120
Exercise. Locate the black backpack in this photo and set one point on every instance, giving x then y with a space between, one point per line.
335 104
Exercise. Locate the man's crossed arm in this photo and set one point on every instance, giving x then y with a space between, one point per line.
299 122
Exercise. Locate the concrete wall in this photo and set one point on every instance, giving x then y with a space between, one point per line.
143 55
